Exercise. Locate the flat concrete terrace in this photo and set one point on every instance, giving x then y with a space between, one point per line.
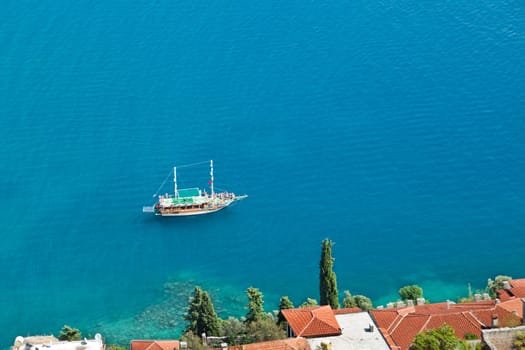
51 343
356 334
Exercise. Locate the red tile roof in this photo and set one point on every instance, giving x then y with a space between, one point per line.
282 344
517 289
347 310
504 294
401 325
517 283
316 321
518 292
154 345
514 304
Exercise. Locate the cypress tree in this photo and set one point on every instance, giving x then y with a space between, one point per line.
210 321
192 315
201 314
284 303
255 305
327 279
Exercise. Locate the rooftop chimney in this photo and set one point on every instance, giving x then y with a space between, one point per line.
420 301
494 321
506 285
477 297
410 302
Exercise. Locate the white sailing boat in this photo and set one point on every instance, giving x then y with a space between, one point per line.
192 201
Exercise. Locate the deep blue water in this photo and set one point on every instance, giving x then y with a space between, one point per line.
396 129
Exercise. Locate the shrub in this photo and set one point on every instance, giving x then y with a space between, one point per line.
69 333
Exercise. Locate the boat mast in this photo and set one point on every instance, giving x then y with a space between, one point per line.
211 174
175 182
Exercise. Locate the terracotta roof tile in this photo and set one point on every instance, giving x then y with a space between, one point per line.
384 318
282 344
312 321
504 294
514 304
406 331
401 325
515 291
518 292
348 310
462 324
505 317
517 283
154 345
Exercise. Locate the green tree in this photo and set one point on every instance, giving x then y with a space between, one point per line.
497 284
412 292
309 303
194 341
348 300
255 305
284 304
201 314
210 321
69 333
327 279
234 331
265 329
360 301
192 314
518 342
442 338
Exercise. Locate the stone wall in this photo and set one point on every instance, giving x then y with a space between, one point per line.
500 338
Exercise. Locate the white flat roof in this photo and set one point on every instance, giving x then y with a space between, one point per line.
86 344
356 334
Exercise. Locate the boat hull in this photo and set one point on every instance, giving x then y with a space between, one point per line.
190 212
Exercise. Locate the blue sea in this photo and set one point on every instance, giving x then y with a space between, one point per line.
394 128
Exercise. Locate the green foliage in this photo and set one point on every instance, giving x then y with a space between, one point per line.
360 301
192 315
493 286
442 338
194 341
201 314
69 333
348 300
210 321
255 305
284 304
234 331
309 302
115 347
470 336
518 342
411 292
265 329
327 279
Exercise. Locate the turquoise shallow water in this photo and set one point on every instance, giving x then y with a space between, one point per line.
394 129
